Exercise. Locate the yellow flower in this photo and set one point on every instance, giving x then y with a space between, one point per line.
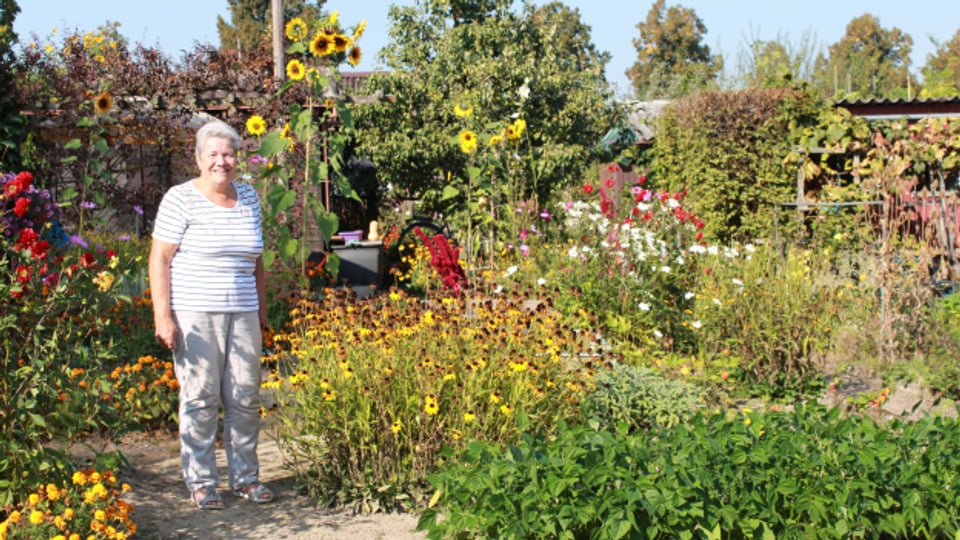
506 409
431 406
79 478
354 56
322 44
100 515
519 125
494 397
296 70
14 517
396 427
360 29
256 126
68 514
341 43
468 141
462 112
104 280
329 395
468 417
334 17
102 103
296 29
36 517
496 140
33 499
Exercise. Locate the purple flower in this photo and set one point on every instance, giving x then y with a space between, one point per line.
89 205
138 209
545 214
78 240
123 237
257 159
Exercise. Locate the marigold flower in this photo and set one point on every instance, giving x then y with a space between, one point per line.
296 70
36 517
256 125
296 29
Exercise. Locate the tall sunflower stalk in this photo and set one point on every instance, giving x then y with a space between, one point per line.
316 51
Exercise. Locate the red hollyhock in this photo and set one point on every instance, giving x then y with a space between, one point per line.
588 189
21 207
27 238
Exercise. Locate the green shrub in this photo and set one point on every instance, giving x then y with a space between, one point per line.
638 398
806 473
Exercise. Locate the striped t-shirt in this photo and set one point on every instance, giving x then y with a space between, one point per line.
212 269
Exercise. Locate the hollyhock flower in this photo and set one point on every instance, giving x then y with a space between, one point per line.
21 207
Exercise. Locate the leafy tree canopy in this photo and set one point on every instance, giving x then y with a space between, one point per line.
250 21
941 75
538 65
776 62
672 59
868 61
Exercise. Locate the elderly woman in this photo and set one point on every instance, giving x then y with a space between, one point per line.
207 285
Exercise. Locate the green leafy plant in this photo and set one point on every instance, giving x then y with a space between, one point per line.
636 398
805 473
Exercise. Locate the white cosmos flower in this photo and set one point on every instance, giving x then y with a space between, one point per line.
510 271
737 282
665 269
717 302
542 281
696 324
644 306
498 290
688 295
657 334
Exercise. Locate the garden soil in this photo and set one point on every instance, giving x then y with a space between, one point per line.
164 511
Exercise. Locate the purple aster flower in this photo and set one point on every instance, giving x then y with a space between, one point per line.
78 240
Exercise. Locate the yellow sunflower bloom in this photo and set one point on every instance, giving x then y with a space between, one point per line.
296 29
462 112
322 44
334 17
354 56
360 29
496 140
103 103
468 141
341 43
296 70
519 125
256 125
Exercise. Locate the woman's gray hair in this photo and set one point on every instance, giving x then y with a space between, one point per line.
217 129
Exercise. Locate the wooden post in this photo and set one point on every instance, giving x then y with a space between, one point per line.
278 67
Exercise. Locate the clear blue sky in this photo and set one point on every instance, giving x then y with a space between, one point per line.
175 25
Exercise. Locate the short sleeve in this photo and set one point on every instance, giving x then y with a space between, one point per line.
171 220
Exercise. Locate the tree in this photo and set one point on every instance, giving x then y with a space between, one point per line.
941 75
250 21
868 61
442 58
11 124
672 59
777 62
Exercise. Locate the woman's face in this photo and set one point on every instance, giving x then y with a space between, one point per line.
217 160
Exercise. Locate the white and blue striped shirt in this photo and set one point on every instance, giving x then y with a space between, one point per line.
212 269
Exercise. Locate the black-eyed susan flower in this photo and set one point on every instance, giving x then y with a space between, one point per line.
103 103
431 406
322 44
256 125
354 56
296 70
296 29
396 427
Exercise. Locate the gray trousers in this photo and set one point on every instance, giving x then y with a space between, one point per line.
217 363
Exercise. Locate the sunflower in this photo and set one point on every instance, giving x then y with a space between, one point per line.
256 125
322 44
463 112
468 141
296 70
286 136
296 29
360 29
103 103
341 43
334 17
354 56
